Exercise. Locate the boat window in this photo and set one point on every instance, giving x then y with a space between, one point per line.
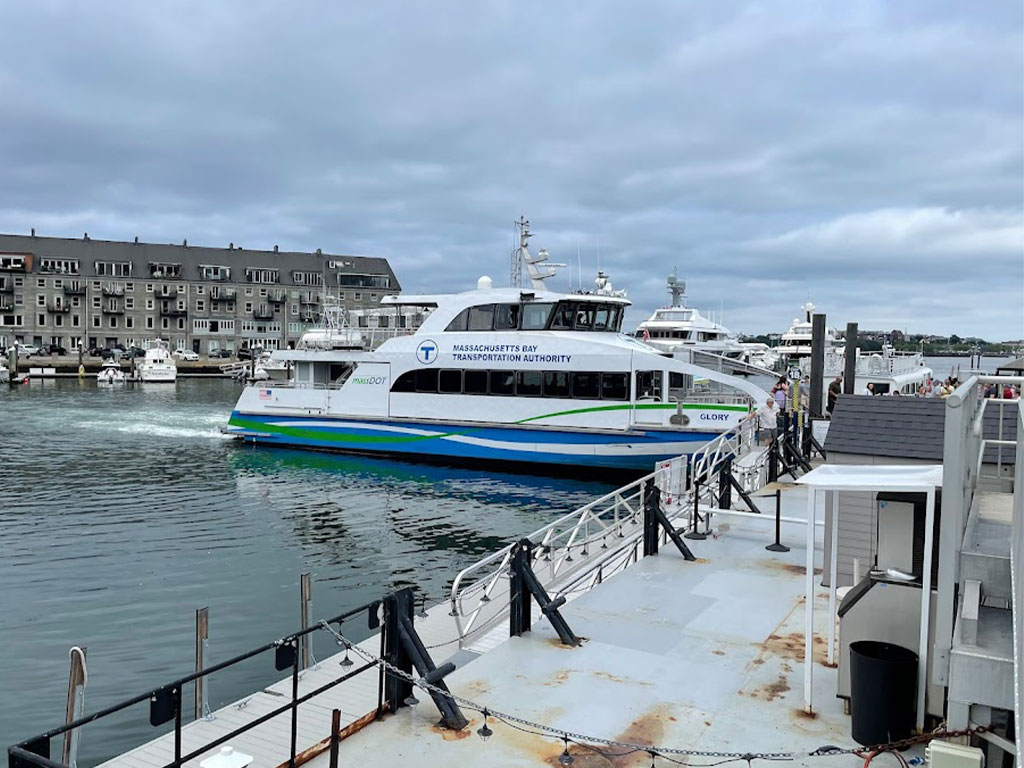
562 319
481 318
676 380
618 312
535 317
528 383
476 382
586 386
648 385
506 317
405 383
450 381
460 322
584 317
603 316
426 380
556 384
615 386
503 382
339 372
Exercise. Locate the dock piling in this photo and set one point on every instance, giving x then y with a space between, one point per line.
76 704
335 737
305 608
850 369
202 708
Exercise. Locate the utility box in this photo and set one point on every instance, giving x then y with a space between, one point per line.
943 754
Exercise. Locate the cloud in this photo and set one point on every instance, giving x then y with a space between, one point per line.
863 155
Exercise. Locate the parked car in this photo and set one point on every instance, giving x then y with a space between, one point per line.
220 353
52 349
133 352
186 354
25 350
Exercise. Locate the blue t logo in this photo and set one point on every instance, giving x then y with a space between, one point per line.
426 352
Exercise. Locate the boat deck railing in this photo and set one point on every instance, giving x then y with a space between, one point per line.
190 740
602 537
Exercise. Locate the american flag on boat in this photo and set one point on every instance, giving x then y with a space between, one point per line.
265 394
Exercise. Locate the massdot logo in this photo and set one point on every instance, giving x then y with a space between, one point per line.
426 352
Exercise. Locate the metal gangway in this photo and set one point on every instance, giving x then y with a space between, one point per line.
577 551
729 365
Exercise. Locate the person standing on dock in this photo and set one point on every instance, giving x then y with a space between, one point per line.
833 393
767 419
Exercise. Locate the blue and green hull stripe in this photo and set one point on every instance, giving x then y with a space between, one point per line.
637 449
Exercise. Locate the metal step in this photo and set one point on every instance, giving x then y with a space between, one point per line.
985 555
981 671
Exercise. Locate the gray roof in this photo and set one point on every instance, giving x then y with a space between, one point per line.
1014 366
86 251
905 427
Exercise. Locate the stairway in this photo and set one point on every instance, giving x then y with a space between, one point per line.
981 668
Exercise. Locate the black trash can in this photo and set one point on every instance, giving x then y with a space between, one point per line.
883 692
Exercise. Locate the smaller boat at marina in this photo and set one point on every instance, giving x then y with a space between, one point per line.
157 365
110 374
795 350
888 371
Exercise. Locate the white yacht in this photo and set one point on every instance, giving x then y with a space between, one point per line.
157 365
888 371
678 326
110 373
5 374
499 374
795 349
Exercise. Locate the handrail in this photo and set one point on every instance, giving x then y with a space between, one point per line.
616 514
22 751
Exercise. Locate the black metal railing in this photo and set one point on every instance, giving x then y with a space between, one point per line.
166 702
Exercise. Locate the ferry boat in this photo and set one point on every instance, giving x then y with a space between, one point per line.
499 374
887 371
158 365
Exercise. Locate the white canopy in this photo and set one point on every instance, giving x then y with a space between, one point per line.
867 477
874 477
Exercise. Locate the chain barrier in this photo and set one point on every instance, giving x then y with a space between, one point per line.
664 752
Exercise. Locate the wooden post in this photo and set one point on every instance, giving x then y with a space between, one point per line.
202 637
75 704
335 738
13 373
306 602
850 370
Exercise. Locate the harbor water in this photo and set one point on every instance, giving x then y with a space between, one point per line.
124 510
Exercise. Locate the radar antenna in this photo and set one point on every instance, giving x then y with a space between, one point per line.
677 288
521 255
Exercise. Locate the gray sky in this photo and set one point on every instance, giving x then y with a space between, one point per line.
866 156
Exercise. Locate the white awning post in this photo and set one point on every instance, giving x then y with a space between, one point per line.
832 577
926 605
809 604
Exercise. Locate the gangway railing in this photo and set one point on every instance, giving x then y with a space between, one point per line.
604 536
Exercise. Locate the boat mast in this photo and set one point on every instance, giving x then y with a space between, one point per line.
677 288
521 255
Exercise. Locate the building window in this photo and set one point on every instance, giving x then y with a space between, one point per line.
59 266
295 309
149 323
248 291
200 306
308 278
113 321
97 302
357 296
129 322
248 307
130 287
164 324
166 270
58 320
149 287
10 261
129 303
42 320
76 321
199 290
41 282
40 300
57 283
113 268
255 275
96 321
